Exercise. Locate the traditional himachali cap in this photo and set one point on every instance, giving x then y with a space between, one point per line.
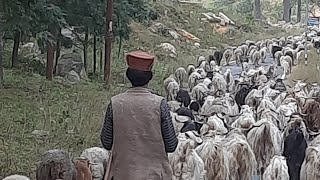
140 60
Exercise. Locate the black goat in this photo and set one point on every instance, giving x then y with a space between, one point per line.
243 93
183 97
191 126
275 49
218 57
195 106
295 146
279 86
183 111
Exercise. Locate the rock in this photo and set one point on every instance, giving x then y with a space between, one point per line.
197 45
72 78
83 74
174 34
41 134
68 62
56 164
169 48
30 48
16 177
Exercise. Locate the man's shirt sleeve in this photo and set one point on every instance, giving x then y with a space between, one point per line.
107 129
167 128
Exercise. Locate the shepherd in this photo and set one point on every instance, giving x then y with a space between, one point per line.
138 129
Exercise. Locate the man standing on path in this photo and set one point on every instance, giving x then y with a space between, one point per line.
138 128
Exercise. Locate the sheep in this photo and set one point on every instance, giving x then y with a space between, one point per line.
265 140
289 60
199 91
98 158
285 66
277 56
181 75
227 55
172 89
16 177
190 69
238 53
229 79
263 54
200 60
193 80
277 169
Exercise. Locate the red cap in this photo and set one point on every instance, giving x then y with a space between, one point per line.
140 60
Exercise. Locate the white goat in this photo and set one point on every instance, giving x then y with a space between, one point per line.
277 169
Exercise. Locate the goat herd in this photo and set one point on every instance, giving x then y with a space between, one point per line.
229 128
254 126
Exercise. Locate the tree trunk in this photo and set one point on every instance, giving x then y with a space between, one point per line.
17 37
257 9
299 11
101 59
94 53
85 49
287 10
58 49
50 56
1 60
108 42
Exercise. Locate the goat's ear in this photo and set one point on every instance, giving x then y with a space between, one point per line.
187 135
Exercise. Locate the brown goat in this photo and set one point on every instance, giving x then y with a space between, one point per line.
83 169
311 109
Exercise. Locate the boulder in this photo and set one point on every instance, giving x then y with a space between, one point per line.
72 77
68 62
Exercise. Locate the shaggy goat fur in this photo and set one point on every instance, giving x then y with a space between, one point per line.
312 109
277 169
265 140
181 75
213 155
310 168
241 158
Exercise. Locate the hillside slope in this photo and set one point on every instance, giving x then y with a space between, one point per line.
37 115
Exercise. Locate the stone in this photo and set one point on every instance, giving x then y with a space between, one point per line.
83 74
72 78
68 62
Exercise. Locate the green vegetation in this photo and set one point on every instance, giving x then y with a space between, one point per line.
72 115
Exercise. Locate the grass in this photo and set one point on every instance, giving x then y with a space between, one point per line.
73 116
309 71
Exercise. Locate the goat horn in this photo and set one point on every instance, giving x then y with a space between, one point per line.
300 111
312 133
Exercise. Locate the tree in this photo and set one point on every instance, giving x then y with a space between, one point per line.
1 45
1 55
299 11
287 10
108 40
257 9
